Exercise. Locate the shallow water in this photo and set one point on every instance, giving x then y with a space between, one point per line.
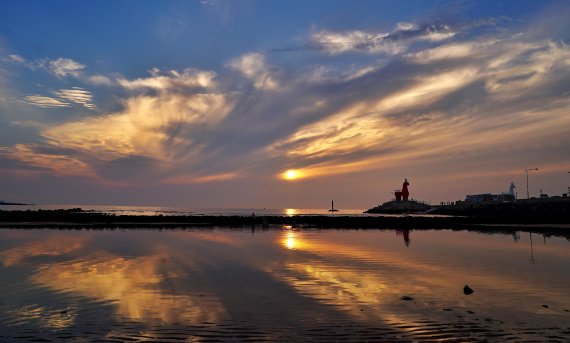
282 285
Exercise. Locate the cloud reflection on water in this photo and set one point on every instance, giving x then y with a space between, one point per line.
143 288
191 277
352 275
136 286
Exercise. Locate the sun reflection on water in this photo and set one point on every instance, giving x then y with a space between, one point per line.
292 239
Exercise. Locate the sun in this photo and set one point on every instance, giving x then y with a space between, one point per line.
291 174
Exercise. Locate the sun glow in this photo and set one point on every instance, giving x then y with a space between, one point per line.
292 174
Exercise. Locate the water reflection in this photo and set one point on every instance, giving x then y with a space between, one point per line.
278 279
56 246
406 235
45 316
356 273
292 239
142 288
145 288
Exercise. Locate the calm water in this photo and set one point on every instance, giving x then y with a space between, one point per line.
183 211
282 285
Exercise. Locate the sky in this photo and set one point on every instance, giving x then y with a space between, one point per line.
281 103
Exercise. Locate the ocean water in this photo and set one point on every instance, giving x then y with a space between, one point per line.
183 211
283 284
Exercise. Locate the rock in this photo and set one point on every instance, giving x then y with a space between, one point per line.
407 298
397 207
467 290
545 306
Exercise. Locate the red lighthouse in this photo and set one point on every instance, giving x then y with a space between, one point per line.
405 192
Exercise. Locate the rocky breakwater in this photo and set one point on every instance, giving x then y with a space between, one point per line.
400 207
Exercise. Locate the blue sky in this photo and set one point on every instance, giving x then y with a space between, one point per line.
210 103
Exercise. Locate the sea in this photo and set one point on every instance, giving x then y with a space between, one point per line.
190 211
185 211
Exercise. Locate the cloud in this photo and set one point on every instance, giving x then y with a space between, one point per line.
158 127
445 52
99 80
45 101
76 95
61 68
172 80
340 42
166 131
254 67
189 179
64 98
59 163
389 43
491 96
64 67
16 59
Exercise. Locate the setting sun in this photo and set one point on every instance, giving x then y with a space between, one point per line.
292 174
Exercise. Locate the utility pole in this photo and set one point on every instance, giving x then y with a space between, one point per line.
526 172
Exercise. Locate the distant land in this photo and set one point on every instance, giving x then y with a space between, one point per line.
11 203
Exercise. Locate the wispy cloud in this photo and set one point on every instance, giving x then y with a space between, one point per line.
171 80
100 80
16 58
77 95
45 101
393 42
254 67
59 163
63 67
63 98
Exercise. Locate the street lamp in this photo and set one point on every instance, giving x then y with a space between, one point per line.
526 172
